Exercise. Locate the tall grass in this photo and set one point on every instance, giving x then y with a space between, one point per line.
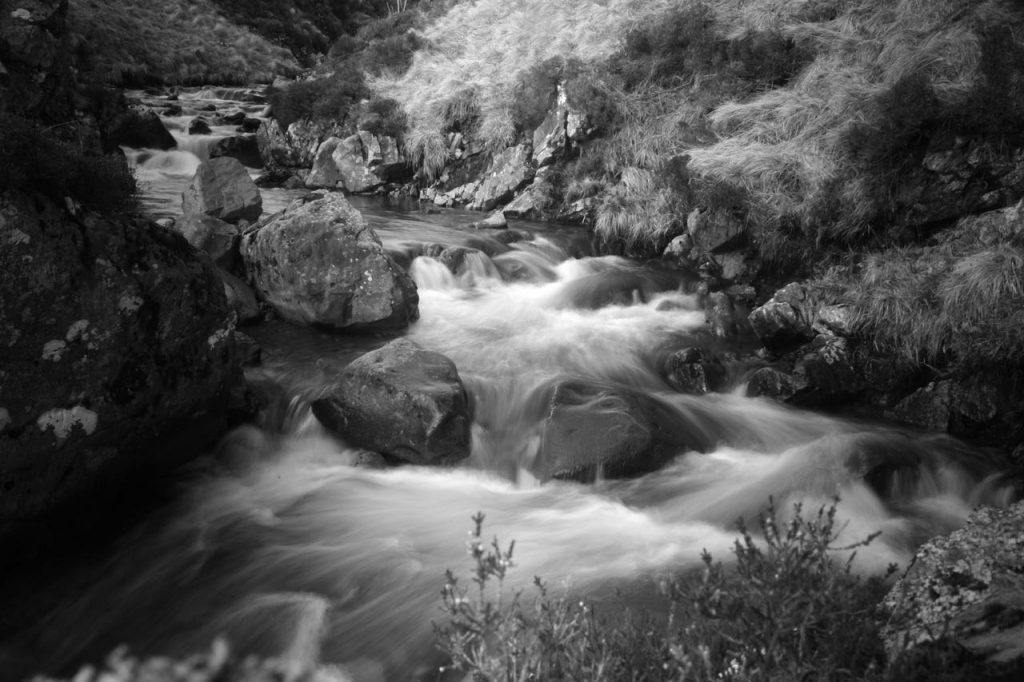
172 42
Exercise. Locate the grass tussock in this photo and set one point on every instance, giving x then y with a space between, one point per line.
787 608
174 42
959 302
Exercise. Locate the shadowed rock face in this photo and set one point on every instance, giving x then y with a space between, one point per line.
402 401
115 335
318 263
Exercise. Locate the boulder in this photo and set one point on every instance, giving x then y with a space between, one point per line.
325 171
591 430
240 147
402 401
510 171
199 126
769 382
348 163
139 130
319 263
215 238
118 356
785 320
966 588
222 188
693 371
549 139
275 148
495 221
233 119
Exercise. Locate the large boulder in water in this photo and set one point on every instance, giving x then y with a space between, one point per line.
118 356
222 188
402 401
319 263
591 430
968 588
240 147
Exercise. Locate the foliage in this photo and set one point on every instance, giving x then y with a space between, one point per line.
175 42
786 610
331 98
34 159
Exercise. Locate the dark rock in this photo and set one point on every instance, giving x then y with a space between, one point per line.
139 130
173 110
249 351
241 298
199 126
118 356
274 177
510 171
927 407
507 236
402 401
215 238
590 429
723 318
828 372
319 263
367 459
249 125
240 147
455 258
785 320
235 119
769 382
695 372
615 287
223 189
968 588
36 75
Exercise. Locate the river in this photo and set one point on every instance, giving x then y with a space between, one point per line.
282 546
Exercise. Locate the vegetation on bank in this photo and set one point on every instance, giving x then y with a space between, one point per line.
180 42
787 609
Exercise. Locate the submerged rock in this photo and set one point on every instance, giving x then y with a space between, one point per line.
119 355
967 587
319 263
693 371
222 188
402 401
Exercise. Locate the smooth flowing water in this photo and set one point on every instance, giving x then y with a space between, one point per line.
281 545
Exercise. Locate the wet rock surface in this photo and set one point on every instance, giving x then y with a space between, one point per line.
222 189
402 401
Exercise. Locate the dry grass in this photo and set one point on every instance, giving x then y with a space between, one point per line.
173 42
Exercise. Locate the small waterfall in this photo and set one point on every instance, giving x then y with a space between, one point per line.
199 145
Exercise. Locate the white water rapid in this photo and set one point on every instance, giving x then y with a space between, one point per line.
281 545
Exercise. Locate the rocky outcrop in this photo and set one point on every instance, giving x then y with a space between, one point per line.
967 587
694 371
786 319
402 401
222 189
510 171
319 263
35 68
358 163
118 356
240 147
295 147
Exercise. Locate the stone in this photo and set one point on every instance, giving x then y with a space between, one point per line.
318 263
510 171
785 320
275 148
139 130
549 139
695 372
927 407
118 356
495 221
590 430
240 147
199 126
215 238
222 188
402 401
968 588
325 172
241 298
350 156
769 382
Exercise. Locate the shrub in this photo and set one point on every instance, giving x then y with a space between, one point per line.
786 610
328 98
381 116
33 159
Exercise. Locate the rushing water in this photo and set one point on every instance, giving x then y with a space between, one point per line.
280 544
